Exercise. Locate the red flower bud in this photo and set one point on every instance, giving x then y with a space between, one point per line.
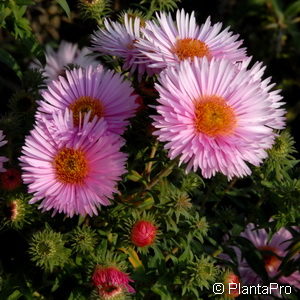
143 233
232 282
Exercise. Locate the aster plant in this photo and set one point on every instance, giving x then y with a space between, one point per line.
147 155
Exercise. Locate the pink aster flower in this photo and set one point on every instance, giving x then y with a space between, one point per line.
66 54
72 169
257 71
104 93
121 40
2 158
111 282
167 42
214 117
273 251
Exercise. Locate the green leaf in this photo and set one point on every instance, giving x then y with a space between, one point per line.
56 284
278 10
259 2
162 291
134 176
185 255
133 258
65 6
8 60
15 295
4 13
292 10
24 2
33 47
76 295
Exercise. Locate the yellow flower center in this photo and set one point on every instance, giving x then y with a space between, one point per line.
70 165
85 104
189 48
213 116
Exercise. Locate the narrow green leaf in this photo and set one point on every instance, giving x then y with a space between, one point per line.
4 13
24 2
292 10
8 60
162 291
15 295
278 10
65 6
134 176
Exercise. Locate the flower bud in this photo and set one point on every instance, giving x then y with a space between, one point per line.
47 249
231 282
93 9
143 233
111 282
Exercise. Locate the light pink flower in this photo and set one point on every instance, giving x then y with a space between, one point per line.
278 245
66 54
111 281
257 71
166 42
104 93
121 40
2 158
214 117
72 169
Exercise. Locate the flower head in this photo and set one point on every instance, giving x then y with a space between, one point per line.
102 93
10 179
273 251
2 158
72 169
214 117
111 282
167 42
121 40
66 54
143 233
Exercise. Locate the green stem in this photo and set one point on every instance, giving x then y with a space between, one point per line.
163 173
150 163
